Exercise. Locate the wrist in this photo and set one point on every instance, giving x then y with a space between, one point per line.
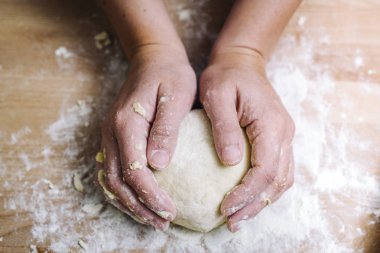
238 56
153 51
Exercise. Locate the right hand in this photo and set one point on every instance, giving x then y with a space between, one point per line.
142 129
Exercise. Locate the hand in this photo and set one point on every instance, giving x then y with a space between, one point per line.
235 93
142 128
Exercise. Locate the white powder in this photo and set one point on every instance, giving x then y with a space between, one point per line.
299 220
301 20
19 134
358 61
63 52
25 159
184 15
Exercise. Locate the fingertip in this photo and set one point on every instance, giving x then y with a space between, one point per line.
233 226
166 215
223 208
231 155
162 226
169 212
159 159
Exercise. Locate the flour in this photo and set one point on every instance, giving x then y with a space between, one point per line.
326 173
63 52
25 159
19 134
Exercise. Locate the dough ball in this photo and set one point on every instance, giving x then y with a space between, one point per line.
195 179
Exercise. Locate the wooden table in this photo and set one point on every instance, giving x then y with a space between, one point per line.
38 84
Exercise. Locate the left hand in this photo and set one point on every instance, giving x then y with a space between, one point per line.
235 93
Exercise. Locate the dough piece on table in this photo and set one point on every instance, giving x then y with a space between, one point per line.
195 179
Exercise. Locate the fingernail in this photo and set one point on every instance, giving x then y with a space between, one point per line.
231 210
166 215
159 159
231 155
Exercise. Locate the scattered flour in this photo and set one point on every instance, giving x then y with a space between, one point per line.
184 15
25 159
19 134
299 220
63 52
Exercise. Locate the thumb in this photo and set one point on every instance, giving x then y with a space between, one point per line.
171 109
221 110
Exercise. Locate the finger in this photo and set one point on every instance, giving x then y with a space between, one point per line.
118 192
270 195
172 107
220 106
265 158
132 133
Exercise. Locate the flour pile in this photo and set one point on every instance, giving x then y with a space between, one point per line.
326 175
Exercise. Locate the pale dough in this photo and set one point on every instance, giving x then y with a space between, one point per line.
195 179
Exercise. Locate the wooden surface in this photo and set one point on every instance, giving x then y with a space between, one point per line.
35 86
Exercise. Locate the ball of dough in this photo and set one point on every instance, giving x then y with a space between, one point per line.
195 179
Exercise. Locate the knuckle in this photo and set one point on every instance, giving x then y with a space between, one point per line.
128 177
281 119
269 177
210 92
290 182
118 121
284 122
162 131
273 134
226 128
203 95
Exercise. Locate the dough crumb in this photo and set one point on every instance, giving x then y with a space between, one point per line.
63 52
100 157
135 165
82 244
184 15
166 98
138 108
1 239
104 153
109 194
92 208
49 184
102 40
77 183
267 201
371 72
139 146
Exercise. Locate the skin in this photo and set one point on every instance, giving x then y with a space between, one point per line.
234 91
236 75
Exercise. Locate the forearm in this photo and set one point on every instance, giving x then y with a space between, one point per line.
254 26
141 23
